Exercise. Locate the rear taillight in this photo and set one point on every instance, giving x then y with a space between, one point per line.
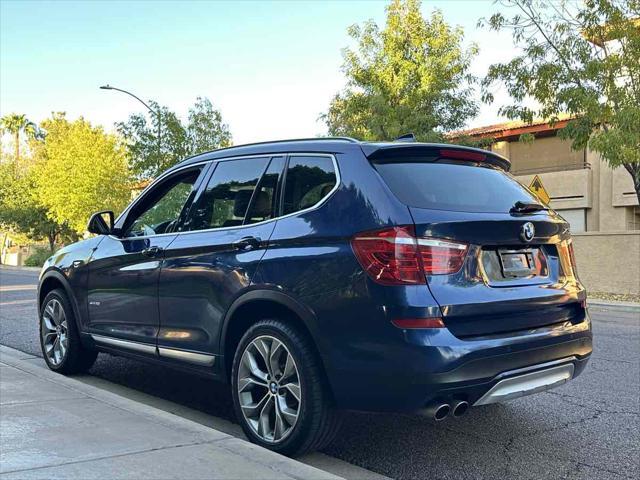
572 257
567 258
394 256
441 257
389 256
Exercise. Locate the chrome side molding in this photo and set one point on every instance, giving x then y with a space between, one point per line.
128 344
528 383
202 359
192 357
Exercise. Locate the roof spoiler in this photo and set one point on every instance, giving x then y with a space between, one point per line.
398 150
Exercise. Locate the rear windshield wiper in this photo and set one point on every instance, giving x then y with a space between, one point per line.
524 207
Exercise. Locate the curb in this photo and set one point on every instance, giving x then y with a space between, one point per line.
278 464
18 269
615 306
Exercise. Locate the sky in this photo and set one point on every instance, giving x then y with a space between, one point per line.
270 67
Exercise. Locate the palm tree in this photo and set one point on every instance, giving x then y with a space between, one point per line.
14 124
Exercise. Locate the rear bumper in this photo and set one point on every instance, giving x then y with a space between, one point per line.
435 365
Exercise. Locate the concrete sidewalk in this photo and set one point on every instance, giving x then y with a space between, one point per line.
53 426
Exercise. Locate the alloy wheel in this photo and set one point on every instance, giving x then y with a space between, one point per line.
54 332
269 388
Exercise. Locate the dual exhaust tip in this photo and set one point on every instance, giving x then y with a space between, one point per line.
440 410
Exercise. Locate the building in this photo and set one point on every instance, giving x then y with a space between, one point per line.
590 195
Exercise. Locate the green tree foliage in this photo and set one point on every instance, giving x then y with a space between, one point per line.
205 128
411 76
37 258
15 124
204 131
21 212
166 208
79 169
470 141
582 59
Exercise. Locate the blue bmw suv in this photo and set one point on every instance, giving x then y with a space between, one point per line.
322 275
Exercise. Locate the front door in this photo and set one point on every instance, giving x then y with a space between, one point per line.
215 258
124 270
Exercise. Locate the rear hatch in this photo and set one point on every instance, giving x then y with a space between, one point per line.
517 271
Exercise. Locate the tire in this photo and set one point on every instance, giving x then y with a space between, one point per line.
69 355
317 421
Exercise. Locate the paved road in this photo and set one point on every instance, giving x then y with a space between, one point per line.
589 428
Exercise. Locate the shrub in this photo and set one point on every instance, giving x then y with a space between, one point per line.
37 258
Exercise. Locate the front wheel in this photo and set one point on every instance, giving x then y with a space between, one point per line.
279 392
60 341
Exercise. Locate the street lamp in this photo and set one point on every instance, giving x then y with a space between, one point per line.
155 112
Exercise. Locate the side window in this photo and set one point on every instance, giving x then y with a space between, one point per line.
160 210
263 205
226 198
309 180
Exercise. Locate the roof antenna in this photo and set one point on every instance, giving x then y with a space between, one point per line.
406 138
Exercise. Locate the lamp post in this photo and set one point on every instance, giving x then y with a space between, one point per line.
154 112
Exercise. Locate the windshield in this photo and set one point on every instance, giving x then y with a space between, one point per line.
456 187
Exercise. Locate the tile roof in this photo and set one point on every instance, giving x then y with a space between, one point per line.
511 129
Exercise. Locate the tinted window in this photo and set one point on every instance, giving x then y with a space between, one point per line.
308 180
263 205
159 210
227 195
446 186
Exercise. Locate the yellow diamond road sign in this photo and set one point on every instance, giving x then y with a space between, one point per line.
537 188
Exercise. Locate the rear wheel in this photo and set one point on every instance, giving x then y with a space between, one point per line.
279 392
59 338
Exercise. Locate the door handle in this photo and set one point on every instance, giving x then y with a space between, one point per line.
152 251
77 263
246 243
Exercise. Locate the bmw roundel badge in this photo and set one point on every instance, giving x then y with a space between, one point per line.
527 232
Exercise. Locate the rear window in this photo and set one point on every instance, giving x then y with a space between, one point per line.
456 187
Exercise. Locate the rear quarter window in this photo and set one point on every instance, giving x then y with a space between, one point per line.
309 180
455 187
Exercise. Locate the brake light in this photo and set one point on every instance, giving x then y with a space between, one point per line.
389 256
462 155
394 256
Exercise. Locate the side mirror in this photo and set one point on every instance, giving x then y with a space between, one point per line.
101 223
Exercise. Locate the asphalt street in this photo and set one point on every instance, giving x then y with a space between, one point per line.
589 428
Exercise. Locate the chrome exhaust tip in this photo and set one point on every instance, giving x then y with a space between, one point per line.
459 408
441 412
437 411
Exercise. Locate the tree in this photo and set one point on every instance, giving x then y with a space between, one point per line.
582 60
147 159
21 212
15 124
205 128
79 169
204 131
411 76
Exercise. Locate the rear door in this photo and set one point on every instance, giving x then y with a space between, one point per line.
515 271
215 255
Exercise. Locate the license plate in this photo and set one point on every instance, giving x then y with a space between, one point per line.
517 263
